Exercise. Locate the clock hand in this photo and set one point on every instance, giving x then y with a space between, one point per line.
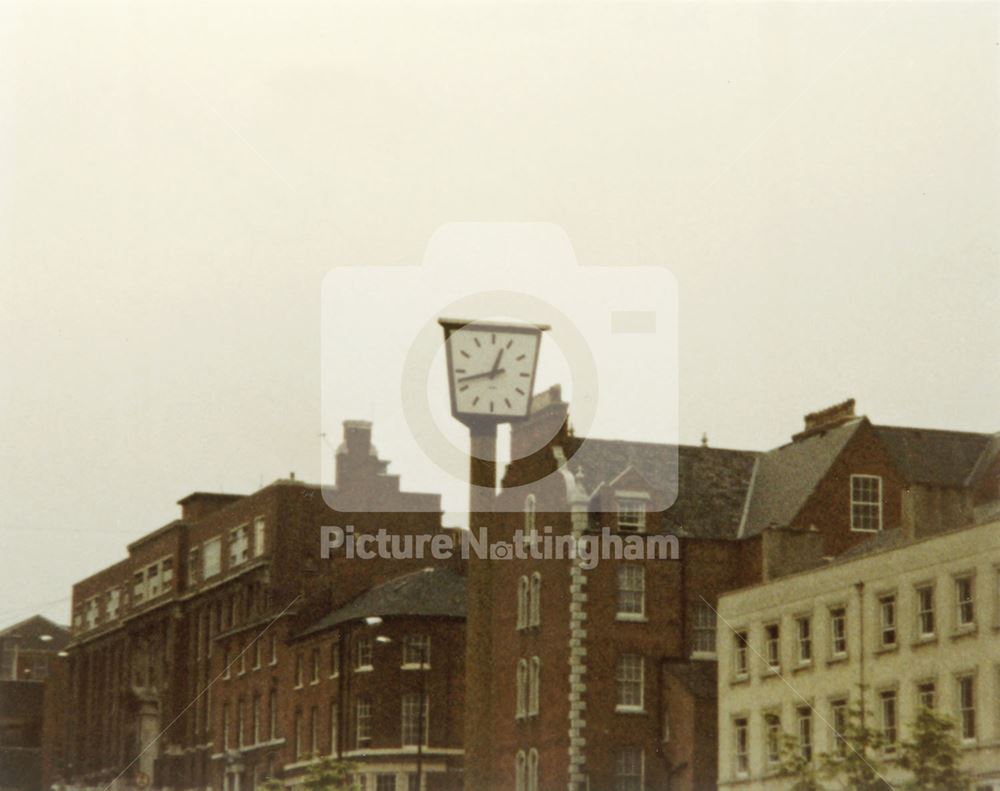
483 375
496 364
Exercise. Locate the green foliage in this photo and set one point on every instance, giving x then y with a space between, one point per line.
328 774
271 784
933 755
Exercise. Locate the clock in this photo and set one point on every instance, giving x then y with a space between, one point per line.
491 369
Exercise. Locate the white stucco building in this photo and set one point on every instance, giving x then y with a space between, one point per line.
906 622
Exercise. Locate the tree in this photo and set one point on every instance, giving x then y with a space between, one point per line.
328 774
933 755
797 766
857 763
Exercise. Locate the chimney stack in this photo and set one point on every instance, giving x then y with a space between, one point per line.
826 419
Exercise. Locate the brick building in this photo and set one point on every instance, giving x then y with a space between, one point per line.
604 678
29 656
225 588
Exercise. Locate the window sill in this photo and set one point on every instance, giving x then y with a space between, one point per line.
743 678
964 631
887 649
314 682
628 617
415 666
704 656
620 709
364 669
833 660
771 672
924 639
802 666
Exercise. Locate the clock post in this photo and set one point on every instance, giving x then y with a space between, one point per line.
491 377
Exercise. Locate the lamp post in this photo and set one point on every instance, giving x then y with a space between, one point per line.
491 378
383 639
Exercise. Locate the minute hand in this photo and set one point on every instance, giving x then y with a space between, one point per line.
484 375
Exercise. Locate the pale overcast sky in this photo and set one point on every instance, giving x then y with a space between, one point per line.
176 179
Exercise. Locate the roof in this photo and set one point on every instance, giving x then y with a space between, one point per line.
29 634
699 678
711 483
933 456
430 592
985 460
787 476
882 540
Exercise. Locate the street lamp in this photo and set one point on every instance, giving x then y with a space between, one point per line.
383 639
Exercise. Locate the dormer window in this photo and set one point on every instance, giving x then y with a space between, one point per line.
632 514
866 503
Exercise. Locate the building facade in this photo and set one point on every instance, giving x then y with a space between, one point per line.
221 590
29 658
603 677
911 622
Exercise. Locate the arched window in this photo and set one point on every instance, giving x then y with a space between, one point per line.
534 679
535 601
522 682
522 603
533 770
519 772
530 532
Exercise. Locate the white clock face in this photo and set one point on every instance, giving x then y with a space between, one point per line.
492 370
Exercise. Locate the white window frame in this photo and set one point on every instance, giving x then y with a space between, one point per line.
838 614
521 771
534 685
772 647
239 545
961 623
966 707
704 631
741 654
741 745
925 612
535 600
521 689
890 731
530 518
631 579
803 638
259 536
416 651
772 740
411 730
858 503
532 769
888 621
927 690
363 655
362 723
840 714
630 683
211 558
635 779
631 513
522 603
804 726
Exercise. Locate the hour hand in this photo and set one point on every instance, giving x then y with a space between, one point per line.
496 365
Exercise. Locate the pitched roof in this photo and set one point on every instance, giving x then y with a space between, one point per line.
985 460
711 483
30 632
788 475
429 592
933 456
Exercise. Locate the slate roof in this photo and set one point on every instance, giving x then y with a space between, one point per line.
698 677
985 460
932 456
429 592
29 634
712 483
788 475
883 539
